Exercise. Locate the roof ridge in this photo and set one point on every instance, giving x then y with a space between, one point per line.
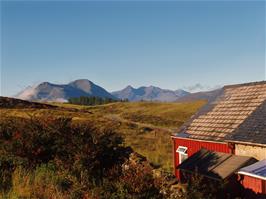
245 84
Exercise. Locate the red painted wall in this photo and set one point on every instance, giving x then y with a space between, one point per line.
195 145
257 185
264 186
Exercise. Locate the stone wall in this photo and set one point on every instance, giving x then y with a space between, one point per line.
254 151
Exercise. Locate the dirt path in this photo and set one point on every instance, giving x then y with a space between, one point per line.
118 118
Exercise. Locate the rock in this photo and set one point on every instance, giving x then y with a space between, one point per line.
136 158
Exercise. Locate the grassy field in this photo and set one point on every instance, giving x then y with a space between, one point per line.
145 126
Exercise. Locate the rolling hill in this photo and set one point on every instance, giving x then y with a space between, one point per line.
145 126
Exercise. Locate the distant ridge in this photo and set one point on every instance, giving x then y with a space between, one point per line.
62 92
207 95
150 93
47 91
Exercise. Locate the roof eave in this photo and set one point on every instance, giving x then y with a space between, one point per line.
200 140
245 143
251 175
205 175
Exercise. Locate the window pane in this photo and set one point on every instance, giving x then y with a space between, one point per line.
181 149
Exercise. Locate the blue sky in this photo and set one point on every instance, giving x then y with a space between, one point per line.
172 44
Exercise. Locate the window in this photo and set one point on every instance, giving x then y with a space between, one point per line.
182 153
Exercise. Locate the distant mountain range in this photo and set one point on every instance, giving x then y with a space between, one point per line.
150 93
62 92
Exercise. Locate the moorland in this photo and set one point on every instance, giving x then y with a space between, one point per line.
74 151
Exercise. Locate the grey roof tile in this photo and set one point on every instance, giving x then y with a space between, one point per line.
238 114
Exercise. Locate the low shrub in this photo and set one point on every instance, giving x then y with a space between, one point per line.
47 157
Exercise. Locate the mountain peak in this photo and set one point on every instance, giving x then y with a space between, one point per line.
45 84
82 84
129 87
81 81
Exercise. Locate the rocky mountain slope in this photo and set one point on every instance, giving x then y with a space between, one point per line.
62 92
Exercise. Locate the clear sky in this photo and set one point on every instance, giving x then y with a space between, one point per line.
171 44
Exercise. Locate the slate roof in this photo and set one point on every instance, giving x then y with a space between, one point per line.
237 114
215 165
257 170
253 130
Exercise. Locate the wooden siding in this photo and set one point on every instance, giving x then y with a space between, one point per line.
193 146
264 187
255 184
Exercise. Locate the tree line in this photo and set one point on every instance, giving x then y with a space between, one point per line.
93 100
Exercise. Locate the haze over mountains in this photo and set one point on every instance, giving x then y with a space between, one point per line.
62 92
206 95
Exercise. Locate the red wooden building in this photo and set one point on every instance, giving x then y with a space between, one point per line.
234 123
254 176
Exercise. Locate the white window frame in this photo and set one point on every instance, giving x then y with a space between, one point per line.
182 151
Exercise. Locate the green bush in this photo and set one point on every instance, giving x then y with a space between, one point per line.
47 157
80 151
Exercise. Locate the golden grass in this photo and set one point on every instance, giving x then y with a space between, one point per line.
38 184
130 119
